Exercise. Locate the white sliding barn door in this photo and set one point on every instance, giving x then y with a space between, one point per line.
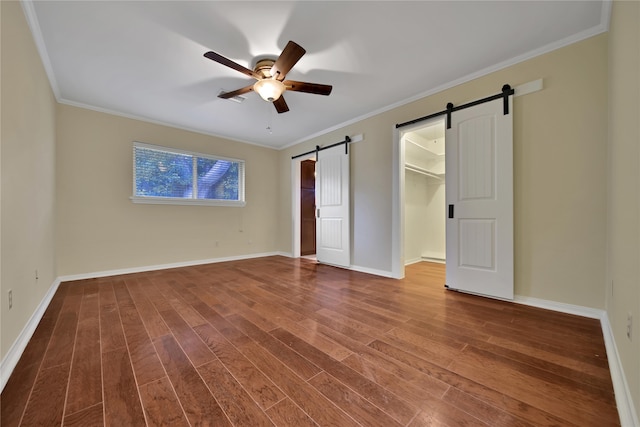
333 244
479 193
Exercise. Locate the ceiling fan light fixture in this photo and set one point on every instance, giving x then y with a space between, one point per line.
269 89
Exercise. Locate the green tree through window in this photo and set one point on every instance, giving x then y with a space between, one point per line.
164 173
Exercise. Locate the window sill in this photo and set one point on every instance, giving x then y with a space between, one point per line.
187 202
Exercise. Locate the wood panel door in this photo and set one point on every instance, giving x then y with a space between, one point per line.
479 182
307 207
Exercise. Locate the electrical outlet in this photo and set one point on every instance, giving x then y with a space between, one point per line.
10 299
629 323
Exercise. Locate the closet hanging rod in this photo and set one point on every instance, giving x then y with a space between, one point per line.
418 169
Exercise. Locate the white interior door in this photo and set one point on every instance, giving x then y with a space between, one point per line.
479 183
333 244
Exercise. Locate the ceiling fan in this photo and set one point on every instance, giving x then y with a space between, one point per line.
270 75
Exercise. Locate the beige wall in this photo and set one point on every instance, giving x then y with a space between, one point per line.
559 173
623 225
27 176
100 229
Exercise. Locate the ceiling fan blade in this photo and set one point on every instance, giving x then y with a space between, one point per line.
227 95
281 105
315 88
290 55
229 63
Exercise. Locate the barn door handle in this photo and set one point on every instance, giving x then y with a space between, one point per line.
318 213
450 211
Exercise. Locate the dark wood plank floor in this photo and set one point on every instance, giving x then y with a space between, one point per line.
277 341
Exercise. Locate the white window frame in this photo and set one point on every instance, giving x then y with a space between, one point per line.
192 201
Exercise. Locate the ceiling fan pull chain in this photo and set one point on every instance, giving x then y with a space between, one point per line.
269 119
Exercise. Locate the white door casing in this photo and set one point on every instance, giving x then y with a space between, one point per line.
333 245
479 183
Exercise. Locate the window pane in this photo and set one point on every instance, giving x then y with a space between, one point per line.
217 179
162 174
172 176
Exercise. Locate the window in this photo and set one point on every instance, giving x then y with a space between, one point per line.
171 176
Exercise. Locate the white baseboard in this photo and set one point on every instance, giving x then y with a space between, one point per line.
578 310
434 259
373 271
142 269
426 259
12 357
624 400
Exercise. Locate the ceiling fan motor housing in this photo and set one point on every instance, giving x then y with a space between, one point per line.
263 67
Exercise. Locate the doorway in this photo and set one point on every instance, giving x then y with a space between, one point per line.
333 200
418 162
307 207
424 194
479 197
296 202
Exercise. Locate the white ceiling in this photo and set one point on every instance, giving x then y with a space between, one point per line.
145 59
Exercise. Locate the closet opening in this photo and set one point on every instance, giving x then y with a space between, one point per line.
303 206
424 193
308 208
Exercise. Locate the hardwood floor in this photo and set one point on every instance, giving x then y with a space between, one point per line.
277 341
